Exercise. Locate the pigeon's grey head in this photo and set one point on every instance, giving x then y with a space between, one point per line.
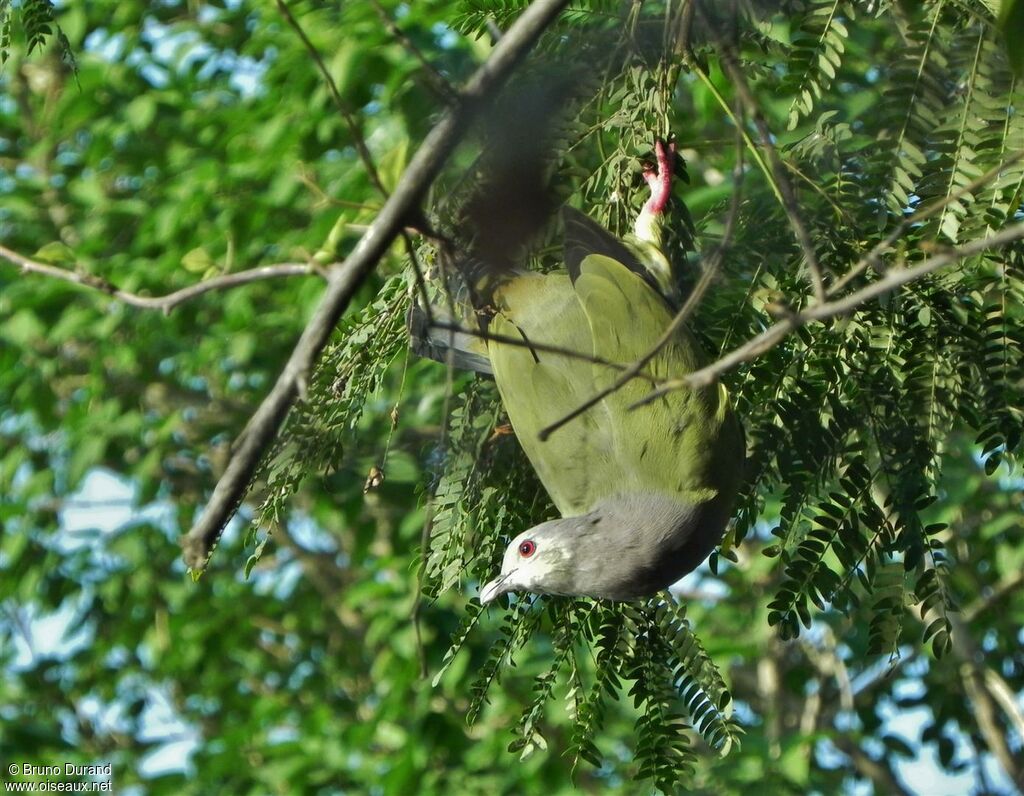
540 559
626 548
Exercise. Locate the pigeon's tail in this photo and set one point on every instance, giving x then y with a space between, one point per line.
436 335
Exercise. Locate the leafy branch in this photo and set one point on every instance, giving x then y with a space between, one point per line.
893 279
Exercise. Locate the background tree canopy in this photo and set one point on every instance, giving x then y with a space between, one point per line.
848 162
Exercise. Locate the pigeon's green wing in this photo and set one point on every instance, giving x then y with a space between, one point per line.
686 443
539 387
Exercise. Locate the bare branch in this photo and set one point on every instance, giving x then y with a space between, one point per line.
879 772
346 279
768 687
171 300
1005 697
1007 585
973 674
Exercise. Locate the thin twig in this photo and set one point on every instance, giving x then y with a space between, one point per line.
775 171
633 371
770 337
346 279
418 278
789 201
437 81
841 214
426 532
538 346
684 31
339 103
171 300
323 198
684 42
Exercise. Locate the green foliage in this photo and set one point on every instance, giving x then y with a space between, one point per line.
1011 20
882 443
319 428
817 53
485 478
38 24
848 420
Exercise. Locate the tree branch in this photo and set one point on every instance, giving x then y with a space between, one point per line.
973 674
893 279
1008 584
346 279
167 302
1005 586
879 773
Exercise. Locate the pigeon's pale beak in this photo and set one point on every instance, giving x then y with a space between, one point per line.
494 588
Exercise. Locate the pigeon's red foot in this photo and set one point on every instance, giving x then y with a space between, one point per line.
502 430
658 175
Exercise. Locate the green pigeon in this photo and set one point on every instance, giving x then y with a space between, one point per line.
645 493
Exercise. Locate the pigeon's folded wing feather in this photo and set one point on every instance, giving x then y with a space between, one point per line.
540 387
675 443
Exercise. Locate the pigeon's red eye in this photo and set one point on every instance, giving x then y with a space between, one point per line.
527 548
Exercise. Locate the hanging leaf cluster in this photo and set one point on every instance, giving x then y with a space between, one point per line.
38 24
